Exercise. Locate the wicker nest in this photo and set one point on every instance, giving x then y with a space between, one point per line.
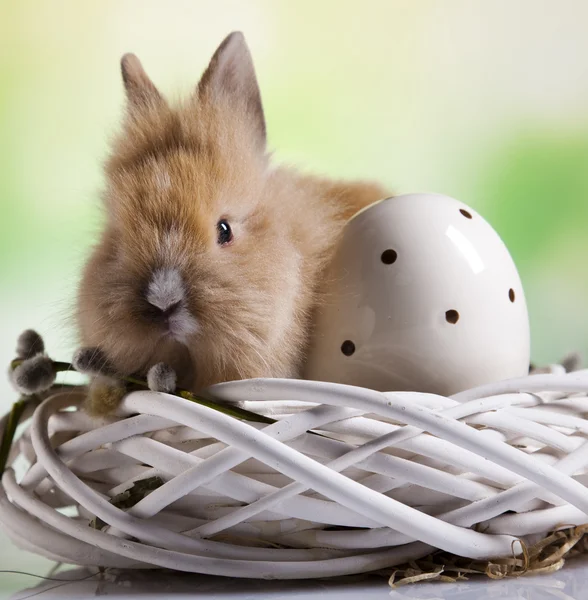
327 480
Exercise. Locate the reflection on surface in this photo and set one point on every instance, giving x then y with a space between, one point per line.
568 584
166 584
466 248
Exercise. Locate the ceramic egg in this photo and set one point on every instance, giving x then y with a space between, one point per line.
422 295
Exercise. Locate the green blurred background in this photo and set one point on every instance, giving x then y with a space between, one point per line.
484 101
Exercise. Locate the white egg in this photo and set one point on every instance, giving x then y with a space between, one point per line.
424 296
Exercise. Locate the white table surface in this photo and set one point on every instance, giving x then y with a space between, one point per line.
571 583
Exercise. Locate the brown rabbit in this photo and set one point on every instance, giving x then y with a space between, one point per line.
211 258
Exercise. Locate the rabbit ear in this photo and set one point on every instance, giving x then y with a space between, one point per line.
231 74
140 89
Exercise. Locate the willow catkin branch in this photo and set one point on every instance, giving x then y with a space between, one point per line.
232 411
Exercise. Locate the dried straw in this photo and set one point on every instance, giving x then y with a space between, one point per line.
545 556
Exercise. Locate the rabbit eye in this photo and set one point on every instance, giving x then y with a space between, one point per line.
224 232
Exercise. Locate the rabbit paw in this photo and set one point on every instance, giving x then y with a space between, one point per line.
104 396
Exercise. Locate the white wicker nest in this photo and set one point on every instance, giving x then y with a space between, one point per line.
384 477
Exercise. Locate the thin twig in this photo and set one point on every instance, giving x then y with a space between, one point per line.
14 418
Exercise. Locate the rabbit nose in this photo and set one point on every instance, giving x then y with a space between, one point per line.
165 293
165 313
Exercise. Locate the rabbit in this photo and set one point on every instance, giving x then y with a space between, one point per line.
212 258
